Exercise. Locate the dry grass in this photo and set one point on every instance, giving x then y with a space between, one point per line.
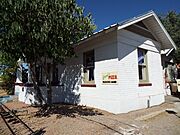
3 92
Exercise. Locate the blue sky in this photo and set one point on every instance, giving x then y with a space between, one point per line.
107 12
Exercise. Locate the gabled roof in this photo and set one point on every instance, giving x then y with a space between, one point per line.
151 20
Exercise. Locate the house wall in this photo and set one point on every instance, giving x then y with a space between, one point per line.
106 60
28 94
115 51
142 97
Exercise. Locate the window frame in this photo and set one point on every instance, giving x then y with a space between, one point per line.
145 64
86 67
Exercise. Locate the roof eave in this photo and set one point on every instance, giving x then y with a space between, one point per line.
125 24
99 33
135 20
142 17
165 31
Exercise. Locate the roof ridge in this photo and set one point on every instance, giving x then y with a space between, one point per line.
136 17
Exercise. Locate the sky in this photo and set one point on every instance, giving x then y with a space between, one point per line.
107 12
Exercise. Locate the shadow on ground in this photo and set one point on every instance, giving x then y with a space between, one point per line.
66 110
39 132
177 94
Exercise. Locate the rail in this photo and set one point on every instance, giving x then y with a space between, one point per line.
4 111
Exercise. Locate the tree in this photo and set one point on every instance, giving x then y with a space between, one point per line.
8 68
172 24
37 30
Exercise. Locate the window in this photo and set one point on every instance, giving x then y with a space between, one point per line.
142 65
24 67
88 63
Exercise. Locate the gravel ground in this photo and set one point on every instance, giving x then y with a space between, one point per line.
80 120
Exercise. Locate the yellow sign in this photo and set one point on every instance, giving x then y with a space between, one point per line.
109 78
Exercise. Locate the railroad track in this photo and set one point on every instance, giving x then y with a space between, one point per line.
15 124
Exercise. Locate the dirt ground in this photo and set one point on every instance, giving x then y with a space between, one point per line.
2 92
82 120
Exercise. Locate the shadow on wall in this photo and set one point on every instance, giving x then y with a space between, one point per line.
66 92
71 79
125 51
31 95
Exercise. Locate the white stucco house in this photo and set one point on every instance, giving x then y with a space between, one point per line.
117 69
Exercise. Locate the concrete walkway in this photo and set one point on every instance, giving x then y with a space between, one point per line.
172 99
138 122
176 101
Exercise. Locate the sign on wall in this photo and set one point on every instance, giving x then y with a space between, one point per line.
109 78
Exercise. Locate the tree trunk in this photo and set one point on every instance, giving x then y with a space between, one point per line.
48 81
49 92
49 85
36 86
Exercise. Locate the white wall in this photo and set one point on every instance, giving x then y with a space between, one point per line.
106 60
17 90
115 51
121 56
127 46
28 94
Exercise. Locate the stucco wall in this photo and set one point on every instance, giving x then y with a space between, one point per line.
106 60
126 95
115 51
120 55
127 51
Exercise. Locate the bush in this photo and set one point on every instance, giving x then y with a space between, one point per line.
8 79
